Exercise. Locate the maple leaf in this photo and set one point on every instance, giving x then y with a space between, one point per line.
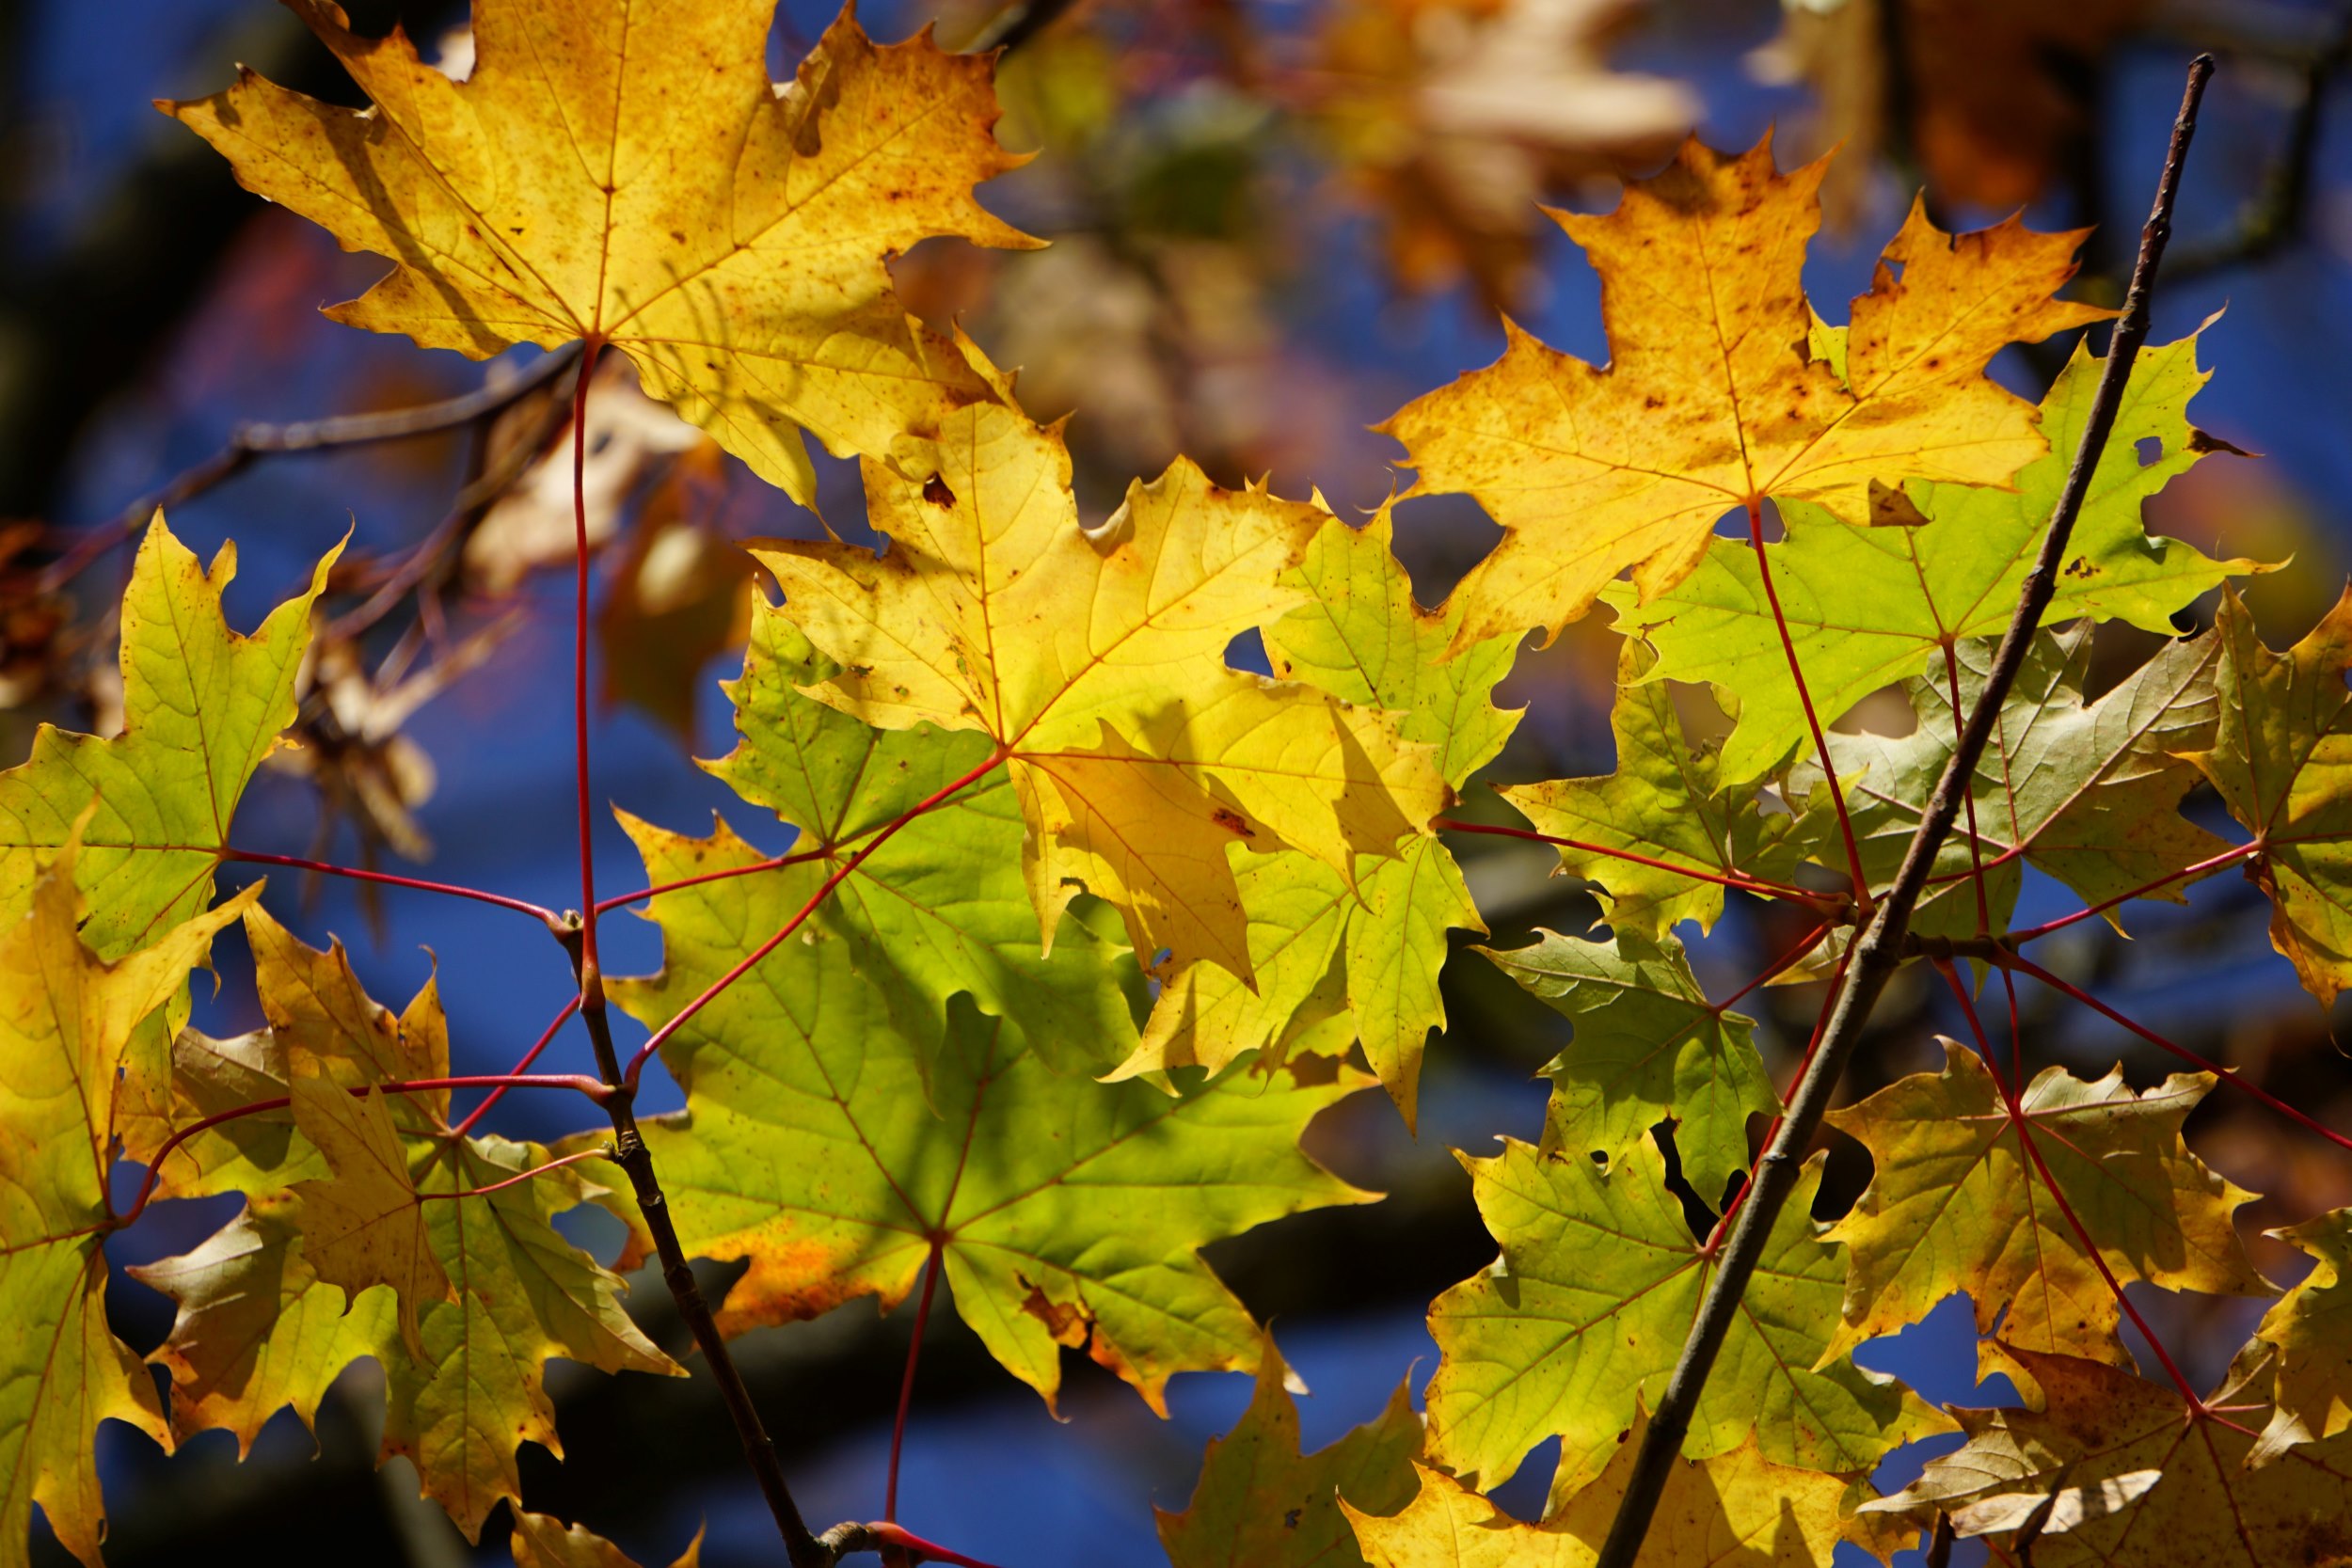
1092 659
261 1324
942 908
365 1225
1648 1048
1065 1212
1261 1503
1671 800
1867 608
1455 117
543 1541
2282 765
1587 1309
1362 639
67 1018
1734 1510
1956 1204
1718 398
640 183
2163 1487
2086 791
202 706
2311 1328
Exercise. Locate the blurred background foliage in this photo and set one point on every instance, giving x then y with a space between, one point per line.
1273 222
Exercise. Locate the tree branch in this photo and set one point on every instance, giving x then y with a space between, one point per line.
252 441
631 1153
1880 949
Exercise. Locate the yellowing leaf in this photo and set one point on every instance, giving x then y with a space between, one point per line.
1362 639
1737 1509
202 706
261 1325
2311 1327
366 1225
542 1540
66 1022
1956 1204
2086 791
1648 1048
2282 759
1261 1503
1093 661
1588 1308
2101 1428
631 177
1715 399
1669 801
832 1153
1867 608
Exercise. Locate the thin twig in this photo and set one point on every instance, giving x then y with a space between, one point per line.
1016 25
1879 950
252 441
631 1153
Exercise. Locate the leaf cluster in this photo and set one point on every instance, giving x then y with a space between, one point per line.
1080 925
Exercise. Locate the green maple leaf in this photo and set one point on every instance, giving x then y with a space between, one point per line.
1261 1503
2280 762
262 1324
1585 1312
1670 800
1359 954
1865 608
2086 791
1648 1048
942 908
1956 1204
67 1021
1065 1212
201 707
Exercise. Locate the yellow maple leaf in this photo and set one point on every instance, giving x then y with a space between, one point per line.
638 181
1724 388
1094 658
1738 1509
66 1023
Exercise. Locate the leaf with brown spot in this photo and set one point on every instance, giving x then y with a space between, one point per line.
611 173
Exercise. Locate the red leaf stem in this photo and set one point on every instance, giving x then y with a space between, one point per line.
1756 885
520 1176
591 970
388 879
2212 863
2027 966
546 1038
906 1383
2010 1089
775 862
1804 698
589 1087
